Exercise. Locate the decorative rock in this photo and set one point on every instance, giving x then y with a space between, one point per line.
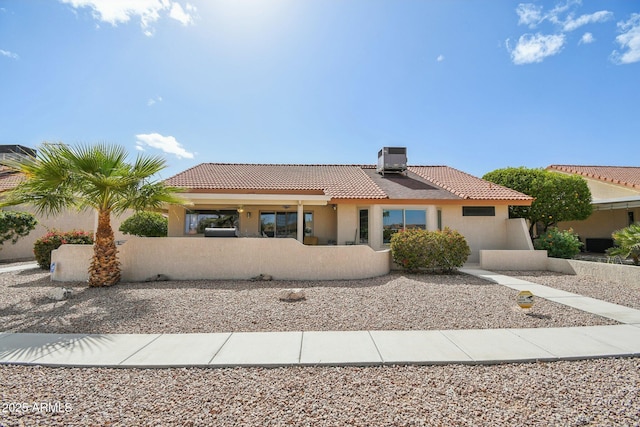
59 294
292 295
265 277
158 278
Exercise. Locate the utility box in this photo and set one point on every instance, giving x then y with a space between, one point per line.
392 160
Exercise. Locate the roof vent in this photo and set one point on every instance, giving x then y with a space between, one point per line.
392 160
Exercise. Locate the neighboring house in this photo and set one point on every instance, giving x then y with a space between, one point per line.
67 221
345 204
615 194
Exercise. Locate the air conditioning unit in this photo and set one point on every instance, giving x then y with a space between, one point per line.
392 160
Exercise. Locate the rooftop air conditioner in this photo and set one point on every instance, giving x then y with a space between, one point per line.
392 160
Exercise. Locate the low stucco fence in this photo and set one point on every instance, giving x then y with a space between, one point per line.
538 260
185 258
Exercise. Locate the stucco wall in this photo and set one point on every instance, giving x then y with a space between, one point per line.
601 224
187 258
518 234
513 260
67 221
481 232
624 273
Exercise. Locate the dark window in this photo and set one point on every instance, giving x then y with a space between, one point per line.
478 211
197 221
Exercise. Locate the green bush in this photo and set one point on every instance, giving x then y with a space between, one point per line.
416 250
14 225
145 224
559 243
53 240
627 243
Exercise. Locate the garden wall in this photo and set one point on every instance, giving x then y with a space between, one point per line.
187 258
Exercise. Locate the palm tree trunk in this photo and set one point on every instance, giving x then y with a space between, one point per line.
105 267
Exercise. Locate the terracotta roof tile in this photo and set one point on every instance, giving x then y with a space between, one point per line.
340 181
9 180
336 181
627 176
466 186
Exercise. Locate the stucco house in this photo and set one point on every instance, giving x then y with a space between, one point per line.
615 194
337 204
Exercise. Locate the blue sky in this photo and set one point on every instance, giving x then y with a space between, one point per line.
474 84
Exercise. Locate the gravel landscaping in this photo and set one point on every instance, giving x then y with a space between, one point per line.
579 393
601 392
392 302
627 294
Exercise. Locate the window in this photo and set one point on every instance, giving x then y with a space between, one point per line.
284 224
478 211
394 220
197 221
364 226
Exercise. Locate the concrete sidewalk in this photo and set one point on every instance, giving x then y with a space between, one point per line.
337 348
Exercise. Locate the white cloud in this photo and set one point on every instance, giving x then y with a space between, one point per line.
179 14
571 24
9 54
587 38
629 40
529 14
116 12
153 101
536 47
168 144
440 58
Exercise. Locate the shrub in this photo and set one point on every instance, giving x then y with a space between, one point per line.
53 240
559 243
14 225
627 243
416 250
145 224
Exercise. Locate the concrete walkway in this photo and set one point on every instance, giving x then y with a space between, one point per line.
271 349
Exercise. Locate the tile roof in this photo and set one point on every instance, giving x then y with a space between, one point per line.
343 181
336 181
466 186
627 176
8 179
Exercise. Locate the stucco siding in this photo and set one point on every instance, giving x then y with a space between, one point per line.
185 258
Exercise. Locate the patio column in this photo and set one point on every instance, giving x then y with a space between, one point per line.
432 218
300 234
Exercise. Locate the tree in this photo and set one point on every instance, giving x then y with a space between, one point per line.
14 225
627 243
558 197
96 177
145 224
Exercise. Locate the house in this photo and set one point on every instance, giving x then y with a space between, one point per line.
333 204
66 221
615 193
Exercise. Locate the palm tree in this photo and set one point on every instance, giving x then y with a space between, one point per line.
627 243
91 176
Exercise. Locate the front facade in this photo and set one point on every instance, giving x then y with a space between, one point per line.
344 204
615 194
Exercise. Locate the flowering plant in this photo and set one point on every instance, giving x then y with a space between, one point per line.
54 239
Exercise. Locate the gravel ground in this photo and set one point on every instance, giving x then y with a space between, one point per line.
594 393
601 392
392 302
627 294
